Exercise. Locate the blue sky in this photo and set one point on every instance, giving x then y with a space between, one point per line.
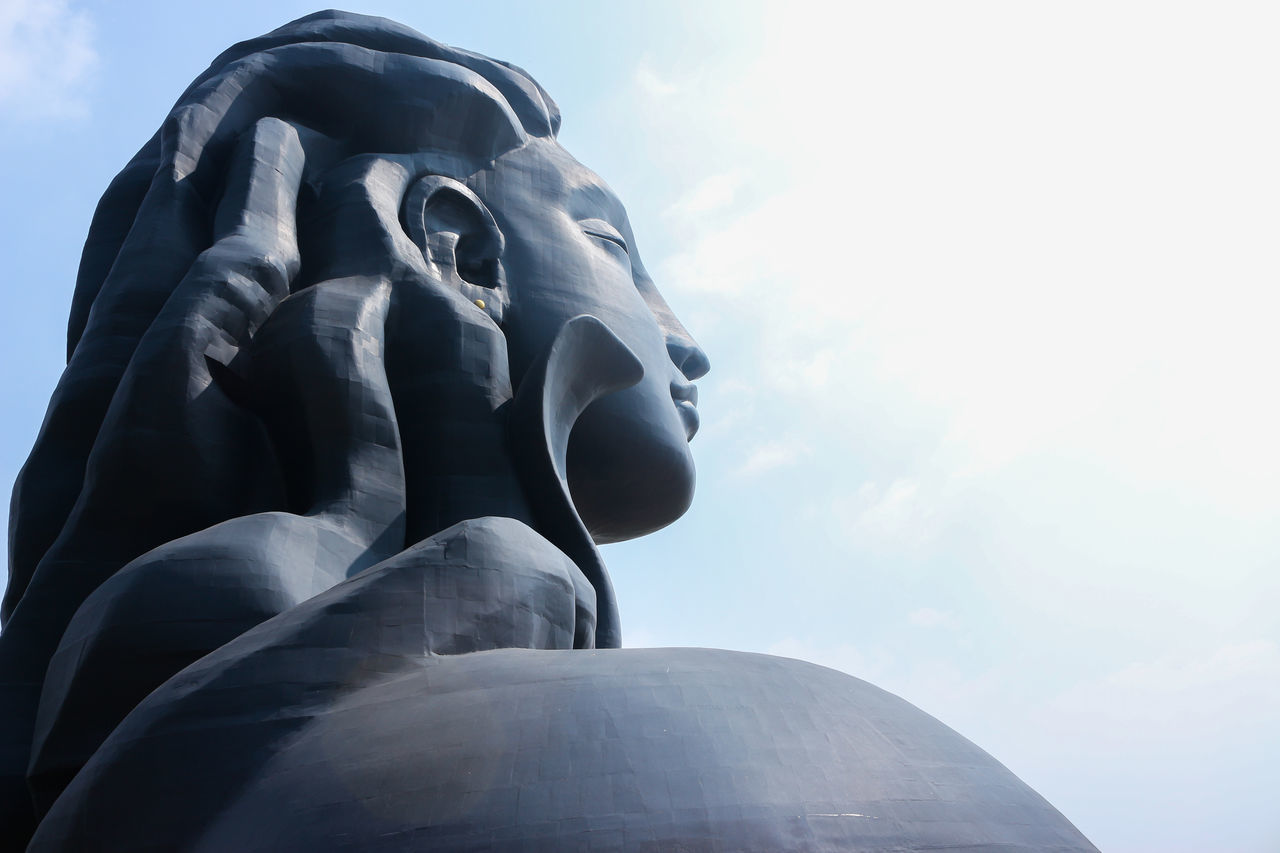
990 293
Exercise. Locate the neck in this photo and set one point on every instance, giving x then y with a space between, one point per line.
455 478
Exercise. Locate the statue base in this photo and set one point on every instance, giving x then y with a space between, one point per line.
531 750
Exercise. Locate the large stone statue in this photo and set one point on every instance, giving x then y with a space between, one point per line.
362 367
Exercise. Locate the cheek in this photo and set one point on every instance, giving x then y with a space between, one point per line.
537 314
630 470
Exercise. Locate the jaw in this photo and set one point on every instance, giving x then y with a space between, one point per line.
630 473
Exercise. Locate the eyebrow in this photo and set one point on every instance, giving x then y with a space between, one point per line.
600 201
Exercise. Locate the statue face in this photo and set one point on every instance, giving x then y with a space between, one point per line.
570 251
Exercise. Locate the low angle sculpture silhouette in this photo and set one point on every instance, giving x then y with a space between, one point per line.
362 368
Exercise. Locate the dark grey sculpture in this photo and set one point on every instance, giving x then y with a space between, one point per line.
362 367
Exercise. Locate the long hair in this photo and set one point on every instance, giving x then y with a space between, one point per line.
182 310
357 83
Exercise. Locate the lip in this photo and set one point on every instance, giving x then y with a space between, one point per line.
685 396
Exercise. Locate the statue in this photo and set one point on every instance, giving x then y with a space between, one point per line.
362 367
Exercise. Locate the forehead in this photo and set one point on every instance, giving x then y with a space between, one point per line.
542 174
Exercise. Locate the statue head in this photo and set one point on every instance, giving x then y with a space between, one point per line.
351 293
343 173
570 250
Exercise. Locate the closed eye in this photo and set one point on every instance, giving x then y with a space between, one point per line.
603 230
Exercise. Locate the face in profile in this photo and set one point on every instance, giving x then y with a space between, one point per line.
569 251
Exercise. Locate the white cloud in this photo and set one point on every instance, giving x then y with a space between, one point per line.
1060 277
46 56
1209 694
1014 276
898 516
770 456
1190 736
928 617
712 194
651 83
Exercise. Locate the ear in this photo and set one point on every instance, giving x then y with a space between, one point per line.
459 239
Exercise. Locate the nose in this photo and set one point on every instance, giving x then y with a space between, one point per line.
688 357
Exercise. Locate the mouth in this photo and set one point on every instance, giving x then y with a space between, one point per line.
685 395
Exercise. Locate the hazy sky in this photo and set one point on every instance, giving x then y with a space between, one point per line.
990 291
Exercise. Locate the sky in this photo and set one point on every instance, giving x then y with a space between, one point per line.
990 291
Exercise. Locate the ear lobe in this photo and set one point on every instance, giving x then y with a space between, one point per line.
457 235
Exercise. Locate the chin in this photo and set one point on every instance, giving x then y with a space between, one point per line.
629 476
